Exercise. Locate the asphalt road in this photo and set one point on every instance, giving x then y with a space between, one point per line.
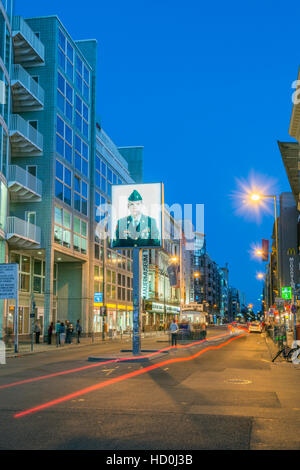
229 397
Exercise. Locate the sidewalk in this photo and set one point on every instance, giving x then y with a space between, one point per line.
25 348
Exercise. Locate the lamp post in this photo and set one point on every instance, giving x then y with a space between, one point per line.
255 198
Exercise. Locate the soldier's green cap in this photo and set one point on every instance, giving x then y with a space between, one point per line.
135 196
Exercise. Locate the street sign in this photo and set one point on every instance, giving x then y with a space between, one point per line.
286 293
98 297
8 281
293 309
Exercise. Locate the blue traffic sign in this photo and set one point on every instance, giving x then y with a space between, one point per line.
98 297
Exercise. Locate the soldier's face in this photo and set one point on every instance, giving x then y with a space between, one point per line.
135 208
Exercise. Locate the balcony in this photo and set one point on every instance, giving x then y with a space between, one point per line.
28 49
22 234
23 186
25 140
28 95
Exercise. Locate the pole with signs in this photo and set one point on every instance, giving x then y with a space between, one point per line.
136 340
9 287
32 315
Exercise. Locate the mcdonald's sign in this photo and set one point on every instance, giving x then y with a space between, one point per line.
291 252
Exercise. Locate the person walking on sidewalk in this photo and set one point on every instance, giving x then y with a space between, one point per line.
62 334
78 330
50 331
173 330
37 331
69 328
57 331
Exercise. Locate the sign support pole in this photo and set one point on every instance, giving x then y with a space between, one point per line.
136 340
17 318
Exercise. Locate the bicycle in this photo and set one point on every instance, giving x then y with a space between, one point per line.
286 352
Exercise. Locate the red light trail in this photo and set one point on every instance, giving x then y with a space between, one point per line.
120 379
78 369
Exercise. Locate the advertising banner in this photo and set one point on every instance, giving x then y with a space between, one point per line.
136 216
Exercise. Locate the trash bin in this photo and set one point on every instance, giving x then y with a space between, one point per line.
298 332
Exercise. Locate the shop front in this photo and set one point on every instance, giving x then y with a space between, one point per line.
159 316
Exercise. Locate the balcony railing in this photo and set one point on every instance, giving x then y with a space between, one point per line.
23 185
26 91
28 47
25 139
22 233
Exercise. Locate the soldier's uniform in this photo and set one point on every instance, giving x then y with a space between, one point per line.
130 234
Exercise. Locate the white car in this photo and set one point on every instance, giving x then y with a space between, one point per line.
255 326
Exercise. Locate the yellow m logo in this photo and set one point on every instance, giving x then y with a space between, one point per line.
291 251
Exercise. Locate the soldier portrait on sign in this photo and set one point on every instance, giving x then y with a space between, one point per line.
140 226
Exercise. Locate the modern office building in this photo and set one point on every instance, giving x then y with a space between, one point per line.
57 168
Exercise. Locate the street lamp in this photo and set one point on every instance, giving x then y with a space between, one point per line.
257 197
260 276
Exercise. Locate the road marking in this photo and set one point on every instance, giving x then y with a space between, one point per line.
121 378
109 371
100 364
239 381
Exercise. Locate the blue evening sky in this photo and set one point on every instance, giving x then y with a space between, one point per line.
205 87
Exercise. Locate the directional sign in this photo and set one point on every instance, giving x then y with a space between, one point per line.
98 297
8 281
286 293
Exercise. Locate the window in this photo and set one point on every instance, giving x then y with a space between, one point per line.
34 124
63 183
80 195
104 176
98 279
65 55
100 207
62 227
64 139
82 116
82 78
64 97
39 268
24 270
32 170
81 155
80 235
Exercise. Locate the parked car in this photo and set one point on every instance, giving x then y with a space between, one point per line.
255 327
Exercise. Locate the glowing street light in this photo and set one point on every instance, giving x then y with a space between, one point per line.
260 276
257 197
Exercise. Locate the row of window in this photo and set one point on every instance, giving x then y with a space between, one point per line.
66 55
69 235
105 176
63 188
64 146
37 269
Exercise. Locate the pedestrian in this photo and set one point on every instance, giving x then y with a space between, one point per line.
69 329
173 330
37 331
62 334
57 331
50 330
78 330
